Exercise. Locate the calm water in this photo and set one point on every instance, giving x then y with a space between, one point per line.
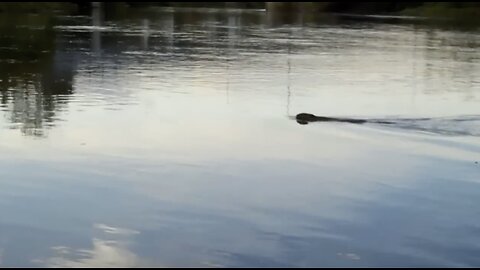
166 138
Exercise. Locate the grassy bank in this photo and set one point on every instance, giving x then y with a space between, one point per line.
469 12
37 7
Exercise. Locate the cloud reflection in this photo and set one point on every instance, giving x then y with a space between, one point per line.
109 250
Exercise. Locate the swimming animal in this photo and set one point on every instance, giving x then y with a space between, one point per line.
451 126
305 118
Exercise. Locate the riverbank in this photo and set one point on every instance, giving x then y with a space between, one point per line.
463 13
37 7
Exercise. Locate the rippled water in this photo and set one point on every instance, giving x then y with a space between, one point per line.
167 138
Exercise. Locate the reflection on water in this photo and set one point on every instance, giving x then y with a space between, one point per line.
34 83
167 139
104 252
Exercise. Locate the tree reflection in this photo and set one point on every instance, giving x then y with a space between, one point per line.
34 84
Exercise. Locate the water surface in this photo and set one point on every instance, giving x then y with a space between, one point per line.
166 138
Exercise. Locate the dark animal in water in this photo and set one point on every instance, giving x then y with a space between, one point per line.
305 118
451 126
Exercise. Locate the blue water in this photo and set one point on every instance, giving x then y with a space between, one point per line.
166 138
